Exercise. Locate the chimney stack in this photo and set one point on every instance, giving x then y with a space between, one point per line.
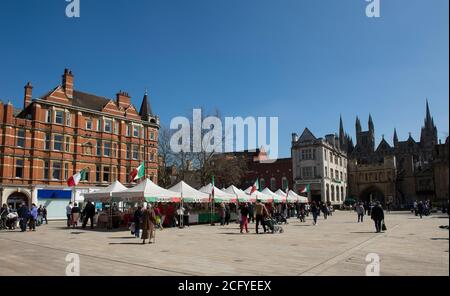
123 99
67 83
28 97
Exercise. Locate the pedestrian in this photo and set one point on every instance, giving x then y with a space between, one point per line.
260 212
4 211
40 214
302 213
33 217
88 214
75 215
148 224
180 216
222 213
325 211
23 213
185 216
244 212
377 215
227 214
360 211
137 218
69 214
251 213
44 215
158 218
420 209
315 212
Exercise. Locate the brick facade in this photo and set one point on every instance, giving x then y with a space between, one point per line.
55 136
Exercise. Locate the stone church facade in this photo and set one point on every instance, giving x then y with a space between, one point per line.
407 171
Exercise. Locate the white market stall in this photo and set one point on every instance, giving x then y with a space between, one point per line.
104 195
219 195
240 194
259 195
147 191
190 194
276 198
301 199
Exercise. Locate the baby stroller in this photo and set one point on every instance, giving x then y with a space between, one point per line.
280 219
273 226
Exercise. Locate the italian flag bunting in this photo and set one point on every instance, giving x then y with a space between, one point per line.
138 173
306 190
77 178
255 186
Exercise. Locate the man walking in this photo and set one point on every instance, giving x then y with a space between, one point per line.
33 217
69 214
315 212
23 213
360 212
377 216
420 209
89 213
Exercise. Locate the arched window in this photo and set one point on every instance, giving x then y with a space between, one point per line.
332 192
328 192
262 183
337 194
273 184
87 149
342 194
285 183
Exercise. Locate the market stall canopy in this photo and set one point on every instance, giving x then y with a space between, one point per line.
105 194
241 195
276 198
301 199
259 195
189 194
283 195
219 195
147 191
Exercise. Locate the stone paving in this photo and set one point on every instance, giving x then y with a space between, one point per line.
337 246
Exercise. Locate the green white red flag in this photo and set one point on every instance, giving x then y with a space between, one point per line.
138 173
307 189
255 187
77 178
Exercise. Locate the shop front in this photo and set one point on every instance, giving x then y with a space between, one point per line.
55 200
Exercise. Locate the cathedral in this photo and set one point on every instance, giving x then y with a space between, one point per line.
398 174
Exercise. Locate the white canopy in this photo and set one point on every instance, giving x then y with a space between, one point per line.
301 199
240 195
190 194
219 195
276 197
290 198
147 191
259 195
104 194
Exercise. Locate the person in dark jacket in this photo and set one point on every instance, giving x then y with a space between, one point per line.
89 213
24 214
137 218
420 209
244 217
44 215
377 215
315 212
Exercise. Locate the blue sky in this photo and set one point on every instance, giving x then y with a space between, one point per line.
306 61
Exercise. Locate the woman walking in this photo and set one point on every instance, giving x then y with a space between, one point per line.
75 215
315 212
148 224
244 217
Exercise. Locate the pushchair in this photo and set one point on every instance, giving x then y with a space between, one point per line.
279 218
273 226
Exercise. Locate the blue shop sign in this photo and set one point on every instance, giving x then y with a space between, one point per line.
54 194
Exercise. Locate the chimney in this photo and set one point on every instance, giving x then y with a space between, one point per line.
28 95
123 99
67 83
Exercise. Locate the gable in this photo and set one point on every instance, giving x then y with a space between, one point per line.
307 136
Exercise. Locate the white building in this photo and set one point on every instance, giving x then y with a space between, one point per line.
321 164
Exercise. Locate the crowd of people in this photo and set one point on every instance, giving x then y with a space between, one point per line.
24 217
75 215
421 208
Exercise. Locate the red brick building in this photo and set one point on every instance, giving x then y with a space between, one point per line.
55 136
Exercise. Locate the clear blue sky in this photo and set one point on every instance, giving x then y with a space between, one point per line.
306 61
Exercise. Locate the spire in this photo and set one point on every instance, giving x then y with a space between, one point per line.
358 125
428 116
395 137
371 126
146 109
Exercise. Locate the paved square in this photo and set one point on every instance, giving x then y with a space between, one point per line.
337 246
